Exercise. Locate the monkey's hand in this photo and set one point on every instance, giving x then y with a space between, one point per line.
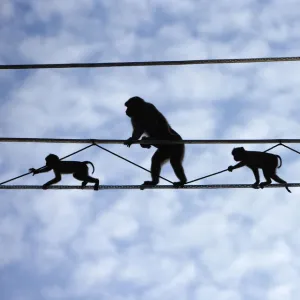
230 168
148 146
128 143
33 171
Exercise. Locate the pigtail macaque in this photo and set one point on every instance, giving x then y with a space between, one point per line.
258 160
79 170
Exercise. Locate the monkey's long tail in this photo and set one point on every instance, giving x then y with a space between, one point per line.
287 188
88 162
280 161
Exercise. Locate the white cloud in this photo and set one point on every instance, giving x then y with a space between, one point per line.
221 244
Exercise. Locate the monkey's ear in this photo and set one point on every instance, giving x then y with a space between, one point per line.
242 148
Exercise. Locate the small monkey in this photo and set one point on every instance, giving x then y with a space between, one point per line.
79 170
258 160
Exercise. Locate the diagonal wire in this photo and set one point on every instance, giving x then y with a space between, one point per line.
200 178
117 155
279 144
25 174
290 148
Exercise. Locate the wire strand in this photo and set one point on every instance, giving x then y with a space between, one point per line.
138 187
200 178
291 149
117 155
150 63
147 142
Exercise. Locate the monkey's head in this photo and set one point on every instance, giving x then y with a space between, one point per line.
52 160
135 106
238 153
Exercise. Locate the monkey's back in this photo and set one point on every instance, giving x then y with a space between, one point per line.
70 167
261 160
156 125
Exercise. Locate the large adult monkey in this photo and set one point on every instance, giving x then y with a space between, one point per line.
146 119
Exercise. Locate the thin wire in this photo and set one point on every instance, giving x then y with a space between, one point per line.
200 178
273 147
146 142
25 174
290 148
150 63
138 187
117 155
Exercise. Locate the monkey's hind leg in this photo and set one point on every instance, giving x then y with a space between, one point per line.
267 175
158 159
85 179
255 171
176 164
96 181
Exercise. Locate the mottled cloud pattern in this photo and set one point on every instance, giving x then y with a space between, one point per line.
159 244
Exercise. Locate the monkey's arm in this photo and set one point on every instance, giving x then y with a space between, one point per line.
239 165
138 130
56 179
42 170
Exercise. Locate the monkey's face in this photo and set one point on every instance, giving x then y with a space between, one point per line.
51 160
130 111
238 153
134 106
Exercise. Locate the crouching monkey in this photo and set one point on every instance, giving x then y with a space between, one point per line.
146 119
258 160
79 170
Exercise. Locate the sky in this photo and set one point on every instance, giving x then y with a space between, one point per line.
223 244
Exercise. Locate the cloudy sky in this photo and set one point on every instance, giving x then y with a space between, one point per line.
153 244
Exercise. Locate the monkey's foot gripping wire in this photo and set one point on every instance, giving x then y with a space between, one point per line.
25 174
138 187
117 155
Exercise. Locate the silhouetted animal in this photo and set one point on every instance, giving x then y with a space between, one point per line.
78 169
146 119
258 160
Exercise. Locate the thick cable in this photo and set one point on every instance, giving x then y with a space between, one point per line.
150 63
138 187
147 142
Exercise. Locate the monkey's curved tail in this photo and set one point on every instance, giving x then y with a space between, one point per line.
88 162
280 161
